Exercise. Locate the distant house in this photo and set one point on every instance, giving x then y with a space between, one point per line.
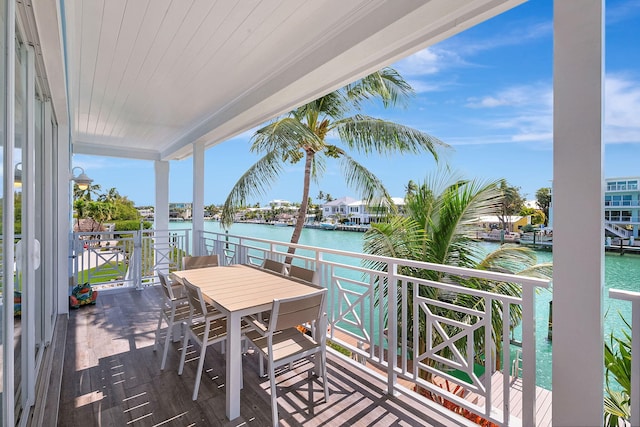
512 223
358 211
87 225
180 210
622 206
338 208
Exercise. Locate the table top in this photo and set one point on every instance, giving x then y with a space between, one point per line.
242 287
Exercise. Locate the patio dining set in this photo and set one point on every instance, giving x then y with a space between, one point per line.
274 309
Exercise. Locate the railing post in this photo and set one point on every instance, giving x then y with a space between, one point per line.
635 364
137 255
528 357
634 297
392 327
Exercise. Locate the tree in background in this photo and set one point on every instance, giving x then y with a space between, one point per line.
511 203
302 135
92 189
543 200
440 218
537 216
109 206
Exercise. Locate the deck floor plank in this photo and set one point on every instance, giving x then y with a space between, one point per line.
112 376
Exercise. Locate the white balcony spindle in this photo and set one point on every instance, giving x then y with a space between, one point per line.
392 327
528 356
634 297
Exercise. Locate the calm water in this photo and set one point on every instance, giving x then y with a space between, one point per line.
621 272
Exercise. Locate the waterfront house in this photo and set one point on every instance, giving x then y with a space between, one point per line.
357 211
512 223
160 81
622 207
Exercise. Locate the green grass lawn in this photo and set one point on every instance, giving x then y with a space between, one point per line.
104 273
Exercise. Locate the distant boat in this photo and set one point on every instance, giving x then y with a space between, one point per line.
328 226
281 223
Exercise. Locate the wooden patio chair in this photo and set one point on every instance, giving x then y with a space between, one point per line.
275 266
205 325
305 274
281 343
175 309
192 262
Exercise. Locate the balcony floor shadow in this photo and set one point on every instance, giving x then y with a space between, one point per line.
112 377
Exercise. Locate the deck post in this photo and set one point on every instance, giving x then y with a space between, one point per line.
392 327
161 215
578 187
197 207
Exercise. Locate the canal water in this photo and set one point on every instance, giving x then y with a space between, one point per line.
621 272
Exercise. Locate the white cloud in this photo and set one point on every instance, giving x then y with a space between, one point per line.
524 95
617 11
428 61
520 33
525 113
622 110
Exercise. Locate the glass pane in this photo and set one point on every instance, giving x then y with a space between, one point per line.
20 134
3 274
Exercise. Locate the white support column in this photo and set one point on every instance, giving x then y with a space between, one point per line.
578 195
7 417
27 242
161 215
197 208
48 266
64 218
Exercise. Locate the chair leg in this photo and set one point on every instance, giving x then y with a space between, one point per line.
167 341
325 380
274 398
155 344
196 387
183 356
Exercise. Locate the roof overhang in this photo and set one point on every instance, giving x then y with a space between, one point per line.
148 79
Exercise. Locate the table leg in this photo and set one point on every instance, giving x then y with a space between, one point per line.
234 366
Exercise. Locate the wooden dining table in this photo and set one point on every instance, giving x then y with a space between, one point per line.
237 291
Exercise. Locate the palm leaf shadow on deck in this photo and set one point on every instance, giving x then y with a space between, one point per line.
112 377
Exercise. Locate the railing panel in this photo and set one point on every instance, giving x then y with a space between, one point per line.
634 297
412 329
128 258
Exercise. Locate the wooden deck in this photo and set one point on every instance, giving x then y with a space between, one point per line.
112 377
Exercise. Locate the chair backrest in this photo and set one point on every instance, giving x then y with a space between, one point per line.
194 295
291 312
269 264
305 274
166 285
192 262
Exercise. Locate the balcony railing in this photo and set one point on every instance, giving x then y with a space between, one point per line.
363 315
634 297
126 258
411 331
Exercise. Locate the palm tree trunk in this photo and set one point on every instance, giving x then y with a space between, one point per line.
302 213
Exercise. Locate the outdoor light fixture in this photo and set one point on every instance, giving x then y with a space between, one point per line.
17 176
82 180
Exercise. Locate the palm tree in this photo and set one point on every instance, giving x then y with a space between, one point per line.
437 228
303 134
80 193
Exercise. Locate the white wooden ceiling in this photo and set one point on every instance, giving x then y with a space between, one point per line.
147 78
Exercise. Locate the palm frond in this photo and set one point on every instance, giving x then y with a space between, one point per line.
365 182
368 135
284 136
386 85
253 183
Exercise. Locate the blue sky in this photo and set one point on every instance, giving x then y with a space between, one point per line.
486 92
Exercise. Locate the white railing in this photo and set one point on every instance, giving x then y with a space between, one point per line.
617 230
367 305
634 297
128 258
